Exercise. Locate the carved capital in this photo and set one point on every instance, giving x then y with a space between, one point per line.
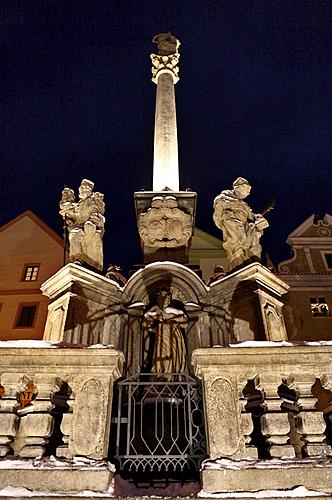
165 64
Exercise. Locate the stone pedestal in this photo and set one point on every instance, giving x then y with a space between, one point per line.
84 307
251 302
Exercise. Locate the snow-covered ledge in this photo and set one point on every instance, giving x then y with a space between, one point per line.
78 384
272 384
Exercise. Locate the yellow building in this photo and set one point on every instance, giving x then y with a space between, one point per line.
30 253
206 252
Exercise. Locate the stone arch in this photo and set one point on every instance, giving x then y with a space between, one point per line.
140 293
183 283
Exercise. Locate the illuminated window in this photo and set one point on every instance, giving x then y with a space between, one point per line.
30 272
26 315
319 306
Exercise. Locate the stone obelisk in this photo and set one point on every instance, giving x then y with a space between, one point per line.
166 215
165 75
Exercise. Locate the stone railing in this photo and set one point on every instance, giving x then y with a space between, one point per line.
34 381
261 407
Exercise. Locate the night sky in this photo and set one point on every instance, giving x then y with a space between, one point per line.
254 100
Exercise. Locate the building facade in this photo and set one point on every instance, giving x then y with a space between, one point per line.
308 303
30 253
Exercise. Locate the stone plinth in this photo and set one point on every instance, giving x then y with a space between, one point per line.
170 227
84 307
65 479
316 476
251 300
290 424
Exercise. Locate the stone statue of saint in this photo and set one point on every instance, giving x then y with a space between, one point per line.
85 222
168 346
241 228
167 44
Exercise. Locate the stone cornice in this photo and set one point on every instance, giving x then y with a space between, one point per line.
60 360
250 360
71 275
314 241
253 272
307 280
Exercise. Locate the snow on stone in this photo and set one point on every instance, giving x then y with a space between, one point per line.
27 344
284 463
15 492
44 344
101 346
52 462
283 343
298 492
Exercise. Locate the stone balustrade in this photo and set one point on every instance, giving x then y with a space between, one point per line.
260 407
34 381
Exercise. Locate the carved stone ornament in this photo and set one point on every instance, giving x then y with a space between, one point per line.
85 222
27 393
164 225
241 228
167 57
223 419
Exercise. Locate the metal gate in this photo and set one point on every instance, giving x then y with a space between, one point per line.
160 424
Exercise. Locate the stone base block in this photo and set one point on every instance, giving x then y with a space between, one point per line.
266 475
318 450
282 451
62 480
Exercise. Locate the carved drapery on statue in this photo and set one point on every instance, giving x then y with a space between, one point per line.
241 228
164 225
164 344
85 223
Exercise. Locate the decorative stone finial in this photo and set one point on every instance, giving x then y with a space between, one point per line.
167 58
85 222
241 228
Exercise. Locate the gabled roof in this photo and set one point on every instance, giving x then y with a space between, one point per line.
310 230
302 228
33 217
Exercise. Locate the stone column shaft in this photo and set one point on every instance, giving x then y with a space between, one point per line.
165 161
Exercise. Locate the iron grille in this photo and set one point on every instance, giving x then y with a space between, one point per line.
160 423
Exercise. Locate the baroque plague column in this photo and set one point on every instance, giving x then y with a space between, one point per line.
165 216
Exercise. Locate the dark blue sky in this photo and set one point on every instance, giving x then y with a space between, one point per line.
254 99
